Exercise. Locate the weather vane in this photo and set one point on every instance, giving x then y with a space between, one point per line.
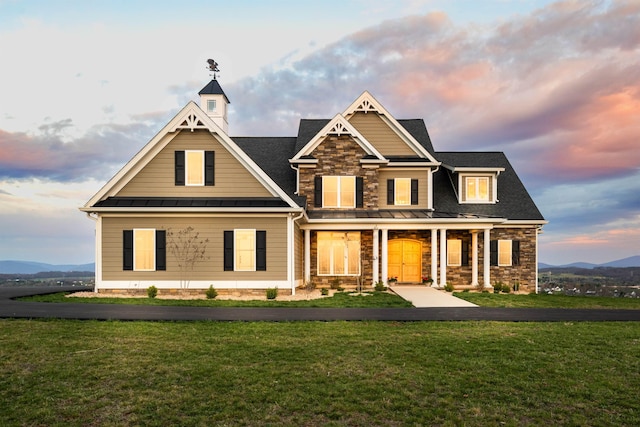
213 67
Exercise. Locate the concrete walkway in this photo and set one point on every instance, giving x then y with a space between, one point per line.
426 296
10 308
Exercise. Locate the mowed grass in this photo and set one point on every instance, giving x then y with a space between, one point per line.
547 301
79 373
340 299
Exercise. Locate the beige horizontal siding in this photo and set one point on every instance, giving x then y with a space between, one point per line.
208 228
380 135
423 188
157 178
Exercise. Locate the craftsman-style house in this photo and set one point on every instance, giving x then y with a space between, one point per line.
359 198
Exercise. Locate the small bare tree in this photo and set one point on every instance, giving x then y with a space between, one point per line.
187 248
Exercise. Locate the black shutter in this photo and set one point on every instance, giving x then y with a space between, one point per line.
261 251
228 250
493 252
359 192
465 253
515 252
414 191
179 166
317 202
127 249
390 192
209 167
161 250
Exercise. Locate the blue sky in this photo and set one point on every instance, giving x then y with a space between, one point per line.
552 84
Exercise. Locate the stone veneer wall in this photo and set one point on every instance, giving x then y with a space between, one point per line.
525 273
340 156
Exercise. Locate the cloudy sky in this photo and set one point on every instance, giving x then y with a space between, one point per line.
555 85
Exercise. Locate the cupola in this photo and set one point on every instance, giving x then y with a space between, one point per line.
214 102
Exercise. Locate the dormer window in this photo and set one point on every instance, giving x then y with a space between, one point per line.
477 188
211 105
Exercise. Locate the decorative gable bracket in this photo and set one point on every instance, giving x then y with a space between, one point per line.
366 106
339 129
190 122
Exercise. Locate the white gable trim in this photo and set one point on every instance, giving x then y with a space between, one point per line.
367 103
339 125
189 118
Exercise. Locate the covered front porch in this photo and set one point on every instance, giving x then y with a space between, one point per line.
416 253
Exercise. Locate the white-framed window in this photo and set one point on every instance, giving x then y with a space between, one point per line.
144 249
211 105
454 252
245 249
338 253
194 167
402 192
339 191
504 252
477 189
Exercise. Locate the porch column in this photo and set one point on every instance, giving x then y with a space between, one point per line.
375 260
307 256
486 267
443 257
383 258
434 257
474 254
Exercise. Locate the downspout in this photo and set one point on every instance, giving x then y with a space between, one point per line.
290 251
98 249
297 179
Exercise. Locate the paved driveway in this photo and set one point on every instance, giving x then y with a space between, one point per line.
18 309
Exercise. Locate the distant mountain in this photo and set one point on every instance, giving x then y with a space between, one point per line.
30 267
632 261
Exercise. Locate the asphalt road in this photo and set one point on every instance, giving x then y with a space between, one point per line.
9 308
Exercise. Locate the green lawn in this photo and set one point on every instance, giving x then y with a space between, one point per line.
340 299
81 373
547 301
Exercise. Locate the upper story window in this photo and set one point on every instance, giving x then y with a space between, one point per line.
211 105
402 192
339 191
478 189
194 167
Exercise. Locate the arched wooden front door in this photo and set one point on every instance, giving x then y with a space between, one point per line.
405 260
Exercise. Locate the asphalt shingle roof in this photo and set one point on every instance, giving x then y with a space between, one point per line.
514 202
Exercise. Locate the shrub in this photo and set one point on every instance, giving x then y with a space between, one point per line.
272 293
324 291
506 289
379 286
211 293
335 283
497 287
448 287
152 291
